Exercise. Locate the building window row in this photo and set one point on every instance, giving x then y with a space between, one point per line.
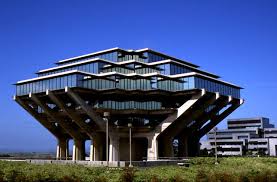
43 85
149 105
75 80
108 56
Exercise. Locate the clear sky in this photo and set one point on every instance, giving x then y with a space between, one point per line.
236 39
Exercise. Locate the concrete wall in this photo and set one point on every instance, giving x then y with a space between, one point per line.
110 164
272 146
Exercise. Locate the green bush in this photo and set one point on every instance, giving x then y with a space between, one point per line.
101 179
69 179
154 179
1 176
201 176
128 175
202 169
177 178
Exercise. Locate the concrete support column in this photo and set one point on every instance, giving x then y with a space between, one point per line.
152 149
96 148
167 147
114 148
183 146
78 150
62 149
91 151
193 146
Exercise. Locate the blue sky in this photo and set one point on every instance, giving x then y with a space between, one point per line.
232 38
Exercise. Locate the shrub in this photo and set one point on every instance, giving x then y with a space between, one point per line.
69 179
201 176
266 176
12 175
127 175
101 179
177 178
1 176
224 177
154 179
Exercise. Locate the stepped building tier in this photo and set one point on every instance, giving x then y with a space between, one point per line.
142 96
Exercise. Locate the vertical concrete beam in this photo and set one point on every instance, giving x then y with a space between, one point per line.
152 149
193 146
98 146
114 149
166 143
78 150
91 151
183 145
62 149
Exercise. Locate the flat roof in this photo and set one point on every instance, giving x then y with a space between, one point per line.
245 119
119 49
90 54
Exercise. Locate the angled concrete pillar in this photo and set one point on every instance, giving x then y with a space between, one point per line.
181 117
235 103
67 126
62 149
52 128
152 149
88 110
78 150
114 148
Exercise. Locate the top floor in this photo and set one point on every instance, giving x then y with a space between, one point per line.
115 68
117 55
245 128
241 123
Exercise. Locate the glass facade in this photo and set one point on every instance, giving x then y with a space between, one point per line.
89 67
39 86
173 69
151 57
112 56
149 105
127 57
126 82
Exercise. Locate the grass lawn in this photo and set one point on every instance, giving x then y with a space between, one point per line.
201 169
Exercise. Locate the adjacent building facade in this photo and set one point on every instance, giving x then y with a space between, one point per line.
116 97
244 136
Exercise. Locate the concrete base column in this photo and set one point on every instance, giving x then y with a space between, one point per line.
96 148
114 148
183 146
78 150
62 149
91 151
167 147
193 146
152 149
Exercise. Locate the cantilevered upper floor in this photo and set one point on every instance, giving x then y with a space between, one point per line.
116 68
